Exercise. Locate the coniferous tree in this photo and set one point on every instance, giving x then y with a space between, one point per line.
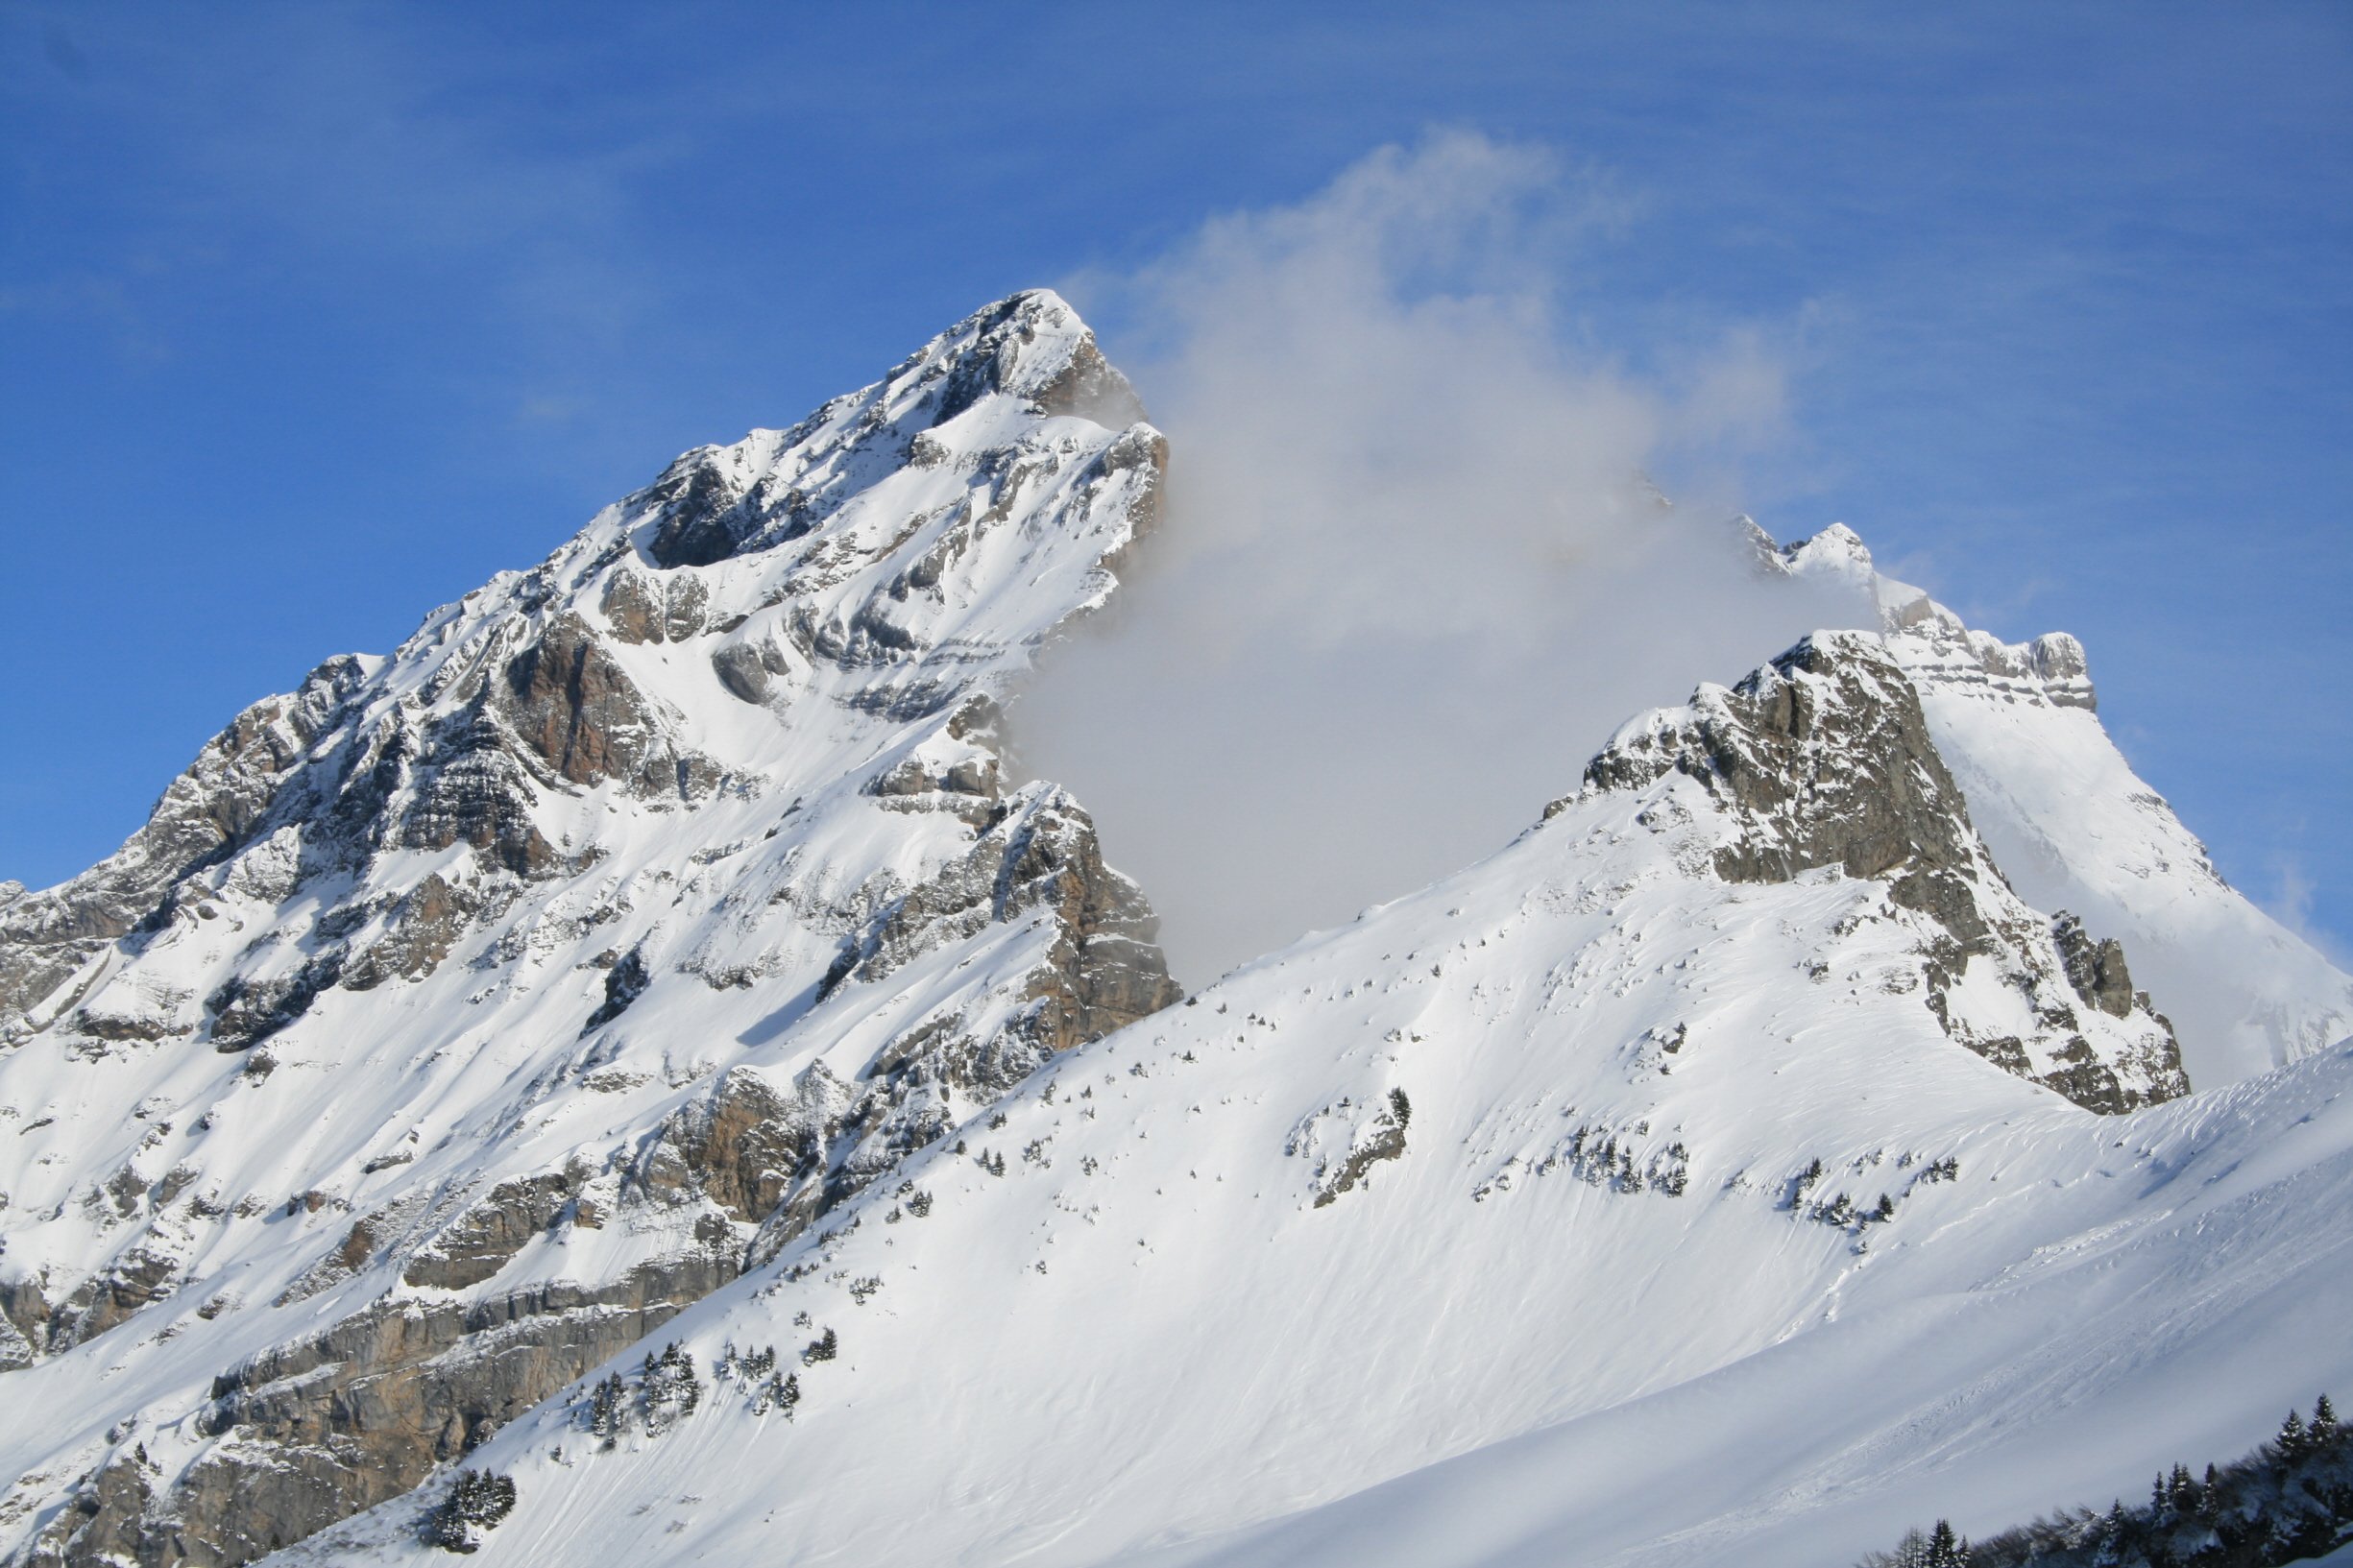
2300 1527
608 1409
1807 1178
475 1502
779 1393
2111 1536
2324 1431
1911 1552
2292 1441
669 1389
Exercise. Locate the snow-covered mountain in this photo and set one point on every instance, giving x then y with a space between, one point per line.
663 894
649 953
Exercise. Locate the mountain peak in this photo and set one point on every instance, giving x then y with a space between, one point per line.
1032 346
1025 357
2072 826
697 828
1823 757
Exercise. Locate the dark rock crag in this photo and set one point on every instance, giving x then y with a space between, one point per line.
1823 758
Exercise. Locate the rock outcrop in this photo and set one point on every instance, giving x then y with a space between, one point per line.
1823 758
218 807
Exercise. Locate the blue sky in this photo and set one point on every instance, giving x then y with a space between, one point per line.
313 316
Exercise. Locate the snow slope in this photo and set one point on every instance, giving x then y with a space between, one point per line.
1583 1293
2182 1328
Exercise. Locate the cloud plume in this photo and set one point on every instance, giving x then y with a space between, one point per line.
1411 570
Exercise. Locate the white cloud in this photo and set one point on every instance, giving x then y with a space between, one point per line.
1411 574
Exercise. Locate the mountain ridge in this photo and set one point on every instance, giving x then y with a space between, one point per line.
653 918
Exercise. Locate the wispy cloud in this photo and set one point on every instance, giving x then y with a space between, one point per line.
1412 571
2294 893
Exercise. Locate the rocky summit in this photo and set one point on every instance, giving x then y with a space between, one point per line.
632 1076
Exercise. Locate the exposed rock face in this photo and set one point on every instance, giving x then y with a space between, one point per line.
575 708
424 925
1039 853
455 782
625 983
745 1146
2094 969
208 812
1823 758
550 928
139 1276
319 1430
1380 1138
642 607
778 1158
1082 383
489 1234
1037 864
